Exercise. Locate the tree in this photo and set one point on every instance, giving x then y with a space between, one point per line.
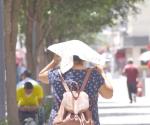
34 30
11 7
69 19
33 25
2 66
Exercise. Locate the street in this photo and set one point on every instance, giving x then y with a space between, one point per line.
118 110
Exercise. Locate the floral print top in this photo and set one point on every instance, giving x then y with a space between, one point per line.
94 83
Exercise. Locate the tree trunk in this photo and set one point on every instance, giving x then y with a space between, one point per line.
34 33
11 7
2 66
43 61
29 45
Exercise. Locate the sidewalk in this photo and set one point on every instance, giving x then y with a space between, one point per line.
120 95
118 110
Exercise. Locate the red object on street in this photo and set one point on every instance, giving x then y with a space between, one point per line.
139 87
148 47
148 64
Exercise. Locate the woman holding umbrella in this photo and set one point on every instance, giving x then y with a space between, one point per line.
70 58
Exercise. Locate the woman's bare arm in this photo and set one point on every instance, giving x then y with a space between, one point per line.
43 75
106 90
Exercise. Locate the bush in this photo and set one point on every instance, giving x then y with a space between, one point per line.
47 107
3 122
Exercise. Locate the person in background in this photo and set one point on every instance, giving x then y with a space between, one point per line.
131 72
20 68
29 99
25 76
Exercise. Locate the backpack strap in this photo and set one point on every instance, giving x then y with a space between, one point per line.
63 82
85 81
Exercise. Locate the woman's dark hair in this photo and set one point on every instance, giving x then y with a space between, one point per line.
77 59
28 85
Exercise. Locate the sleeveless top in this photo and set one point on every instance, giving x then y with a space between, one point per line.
94 83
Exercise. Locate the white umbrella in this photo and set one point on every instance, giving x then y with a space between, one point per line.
67 49
145 56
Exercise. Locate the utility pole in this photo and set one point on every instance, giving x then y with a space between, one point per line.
2 65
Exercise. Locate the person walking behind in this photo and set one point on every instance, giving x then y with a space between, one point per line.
25 76
131 72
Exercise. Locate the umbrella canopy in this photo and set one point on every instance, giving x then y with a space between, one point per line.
66 50
145 56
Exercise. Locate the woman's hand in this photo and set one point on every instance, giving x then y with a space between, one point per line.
43 75
56 59
100 69
106 90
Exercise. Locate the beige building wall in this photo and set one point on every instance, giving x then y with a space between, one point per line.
140 24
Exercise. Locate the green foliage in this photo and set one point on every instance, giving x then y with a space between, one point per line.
47 108
69 19
94 38
3 122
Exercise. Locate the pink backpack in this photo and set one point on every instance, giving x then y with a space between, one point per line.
74 108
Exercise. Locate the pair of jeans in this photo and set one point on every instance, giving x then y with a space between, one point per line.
132 90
